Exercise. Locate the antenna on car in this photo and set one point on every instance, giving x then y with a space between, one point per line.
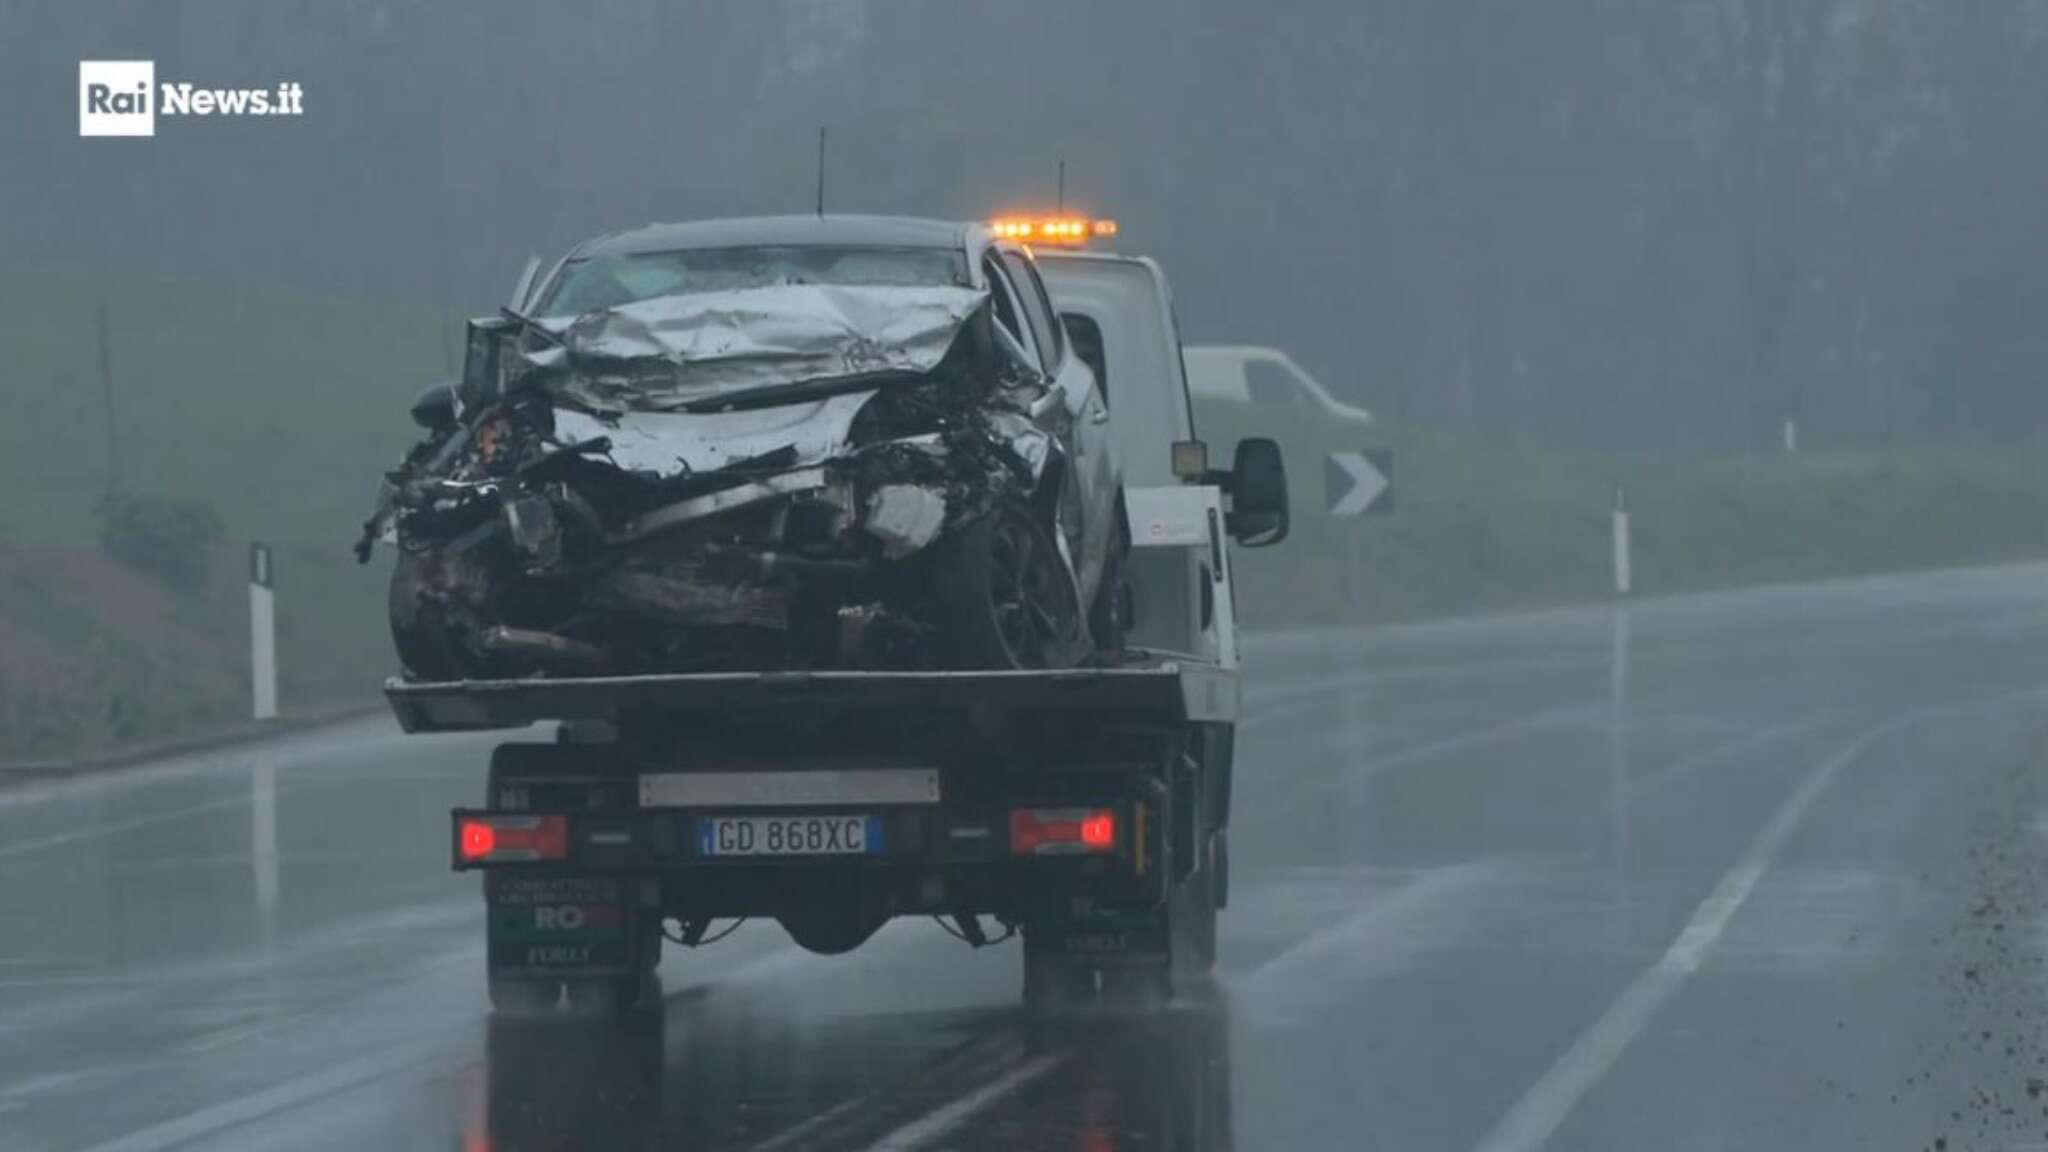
821 171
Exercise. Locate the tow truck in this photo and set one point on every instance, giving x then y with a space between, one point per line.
1084 809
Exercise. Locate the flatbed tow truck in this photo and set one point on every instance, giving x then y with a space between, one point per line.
1085 809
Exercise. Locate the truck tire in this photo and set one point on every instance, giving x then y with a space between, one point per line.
1005 598
1191 913
1219 854
1217 746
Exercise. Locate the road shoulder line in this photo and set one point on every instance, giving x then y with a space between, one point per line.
1547 1103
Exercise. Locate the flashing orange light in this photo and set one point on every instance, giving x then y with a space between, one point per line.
1051 229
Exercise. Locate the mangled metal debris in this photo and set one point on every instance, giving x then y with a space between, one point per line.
765 476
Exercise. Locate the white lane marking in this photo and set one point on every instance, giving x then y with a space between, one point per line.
1542 1109
1279 692
791 1135
286 750
291 1094
1306 786
1548 718
1390 919
1727 749
944 1119
98 831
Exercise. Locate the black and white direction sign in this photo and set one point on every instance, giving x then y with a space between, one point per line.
1355 483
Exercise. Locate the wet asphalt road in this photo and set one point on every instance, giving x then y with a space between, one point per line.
1756 870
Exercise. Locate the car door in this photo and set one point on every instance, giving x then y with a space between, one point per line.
1092 451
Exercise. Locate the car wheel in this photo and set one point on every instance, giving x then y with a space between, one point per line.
426 639
1006 597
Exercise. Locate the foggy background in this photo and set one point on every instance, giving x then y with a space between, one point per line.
1606 222
1557 247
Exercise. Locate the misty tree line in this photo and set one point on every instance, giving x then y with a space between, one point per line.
1683 222
1640 222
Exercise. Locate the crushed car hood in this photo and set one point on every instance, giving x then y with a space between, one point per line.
672 443
670 351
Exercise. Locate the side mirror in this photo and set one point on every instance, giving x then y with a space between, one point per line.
1258 494
435 409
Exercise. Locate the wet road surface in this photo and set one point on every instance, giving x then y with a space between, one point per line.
1752 870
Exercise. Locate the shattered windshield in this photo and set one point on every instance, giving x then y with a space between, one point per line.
598 282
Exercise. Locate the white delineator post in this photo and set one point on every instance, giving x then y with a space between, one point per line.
262 635
1621 544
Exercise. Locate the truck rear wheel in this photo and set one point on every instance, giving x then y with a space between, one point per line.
1191 913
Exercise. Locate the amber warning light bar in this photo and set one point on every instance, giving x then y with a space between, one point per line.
1051 229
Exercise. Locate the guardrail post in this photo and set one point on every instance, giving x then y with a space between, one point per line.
262 635
1623 578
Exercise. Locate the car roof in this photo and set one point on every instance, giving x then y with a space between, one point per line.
743 231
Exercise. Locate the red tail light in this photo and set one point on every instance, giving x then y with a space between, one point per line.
478 839
1099 831
1049 831
492 838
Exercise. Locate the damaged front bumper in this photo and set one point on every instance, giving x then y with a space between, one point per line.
824 565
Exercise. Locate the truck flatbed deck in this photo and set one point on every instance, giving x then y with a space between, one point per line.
1155 688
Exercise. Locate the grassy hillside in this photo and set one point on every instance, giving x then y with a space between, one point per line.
275 410
1484 527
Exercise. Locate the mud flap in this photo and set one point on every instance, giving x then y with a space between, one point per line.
561 927
1076 960
1104 939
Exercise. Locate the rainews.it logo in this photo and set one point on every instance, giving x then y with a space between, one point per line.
122 98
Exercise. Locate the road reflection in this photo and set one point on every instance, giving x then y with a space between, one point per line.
569 1084
1155 1079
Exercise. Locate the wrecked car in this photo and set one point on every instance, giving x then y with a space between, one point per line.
803 442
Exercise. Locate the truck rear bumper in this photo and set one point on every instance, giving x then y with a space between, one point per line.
596 913
934 856
582 890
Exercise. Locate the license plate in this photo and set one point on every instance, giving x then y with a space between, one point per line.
789 836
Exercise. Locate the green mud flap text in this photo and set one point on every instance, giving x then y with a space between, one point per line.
559 925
